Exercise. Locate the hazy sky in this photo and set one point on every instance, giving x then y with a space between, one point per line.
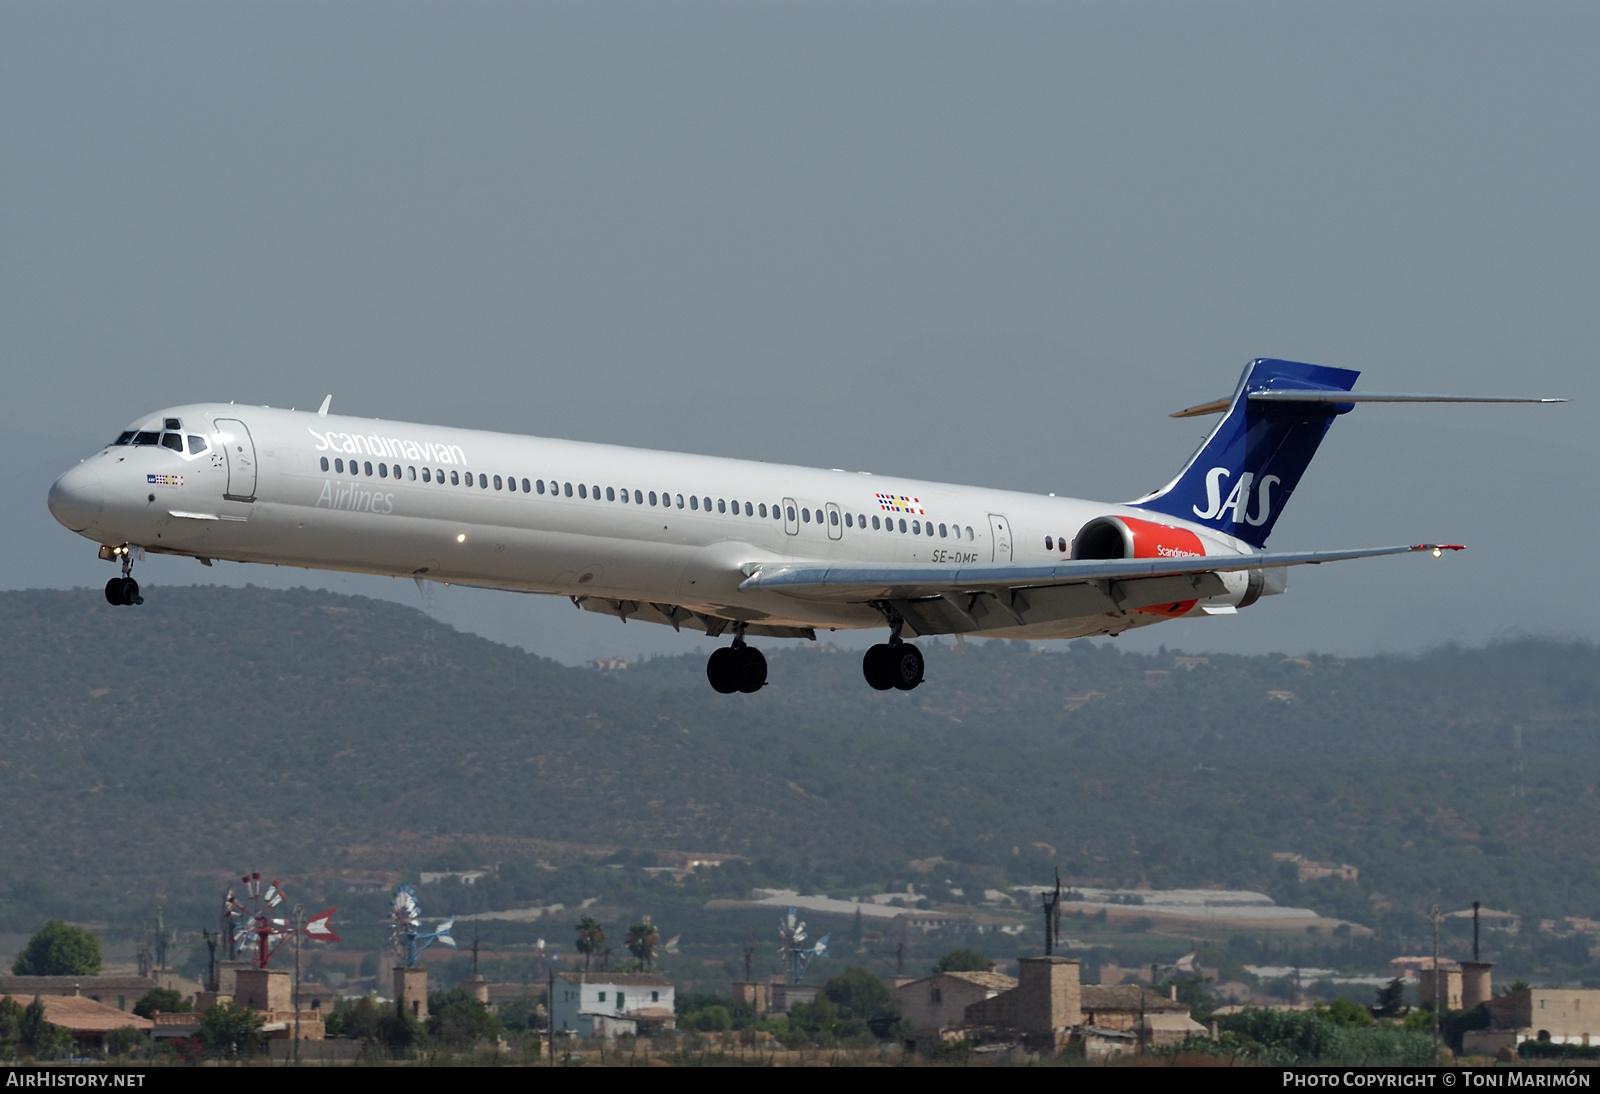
992 243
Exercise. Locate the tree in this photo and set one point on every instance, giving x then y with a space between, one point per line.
1391 999
10 1027
37 1037
643 938
231 1030
59 949
165 1000
965 959
124 1041
591 938
459 1020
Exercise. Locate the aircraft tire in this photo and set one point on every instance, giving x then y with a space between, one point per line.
875 667
114 592
905 666
721 671
749 669
130 592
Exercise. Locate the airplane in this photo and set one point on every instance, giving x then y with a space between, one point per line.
723 546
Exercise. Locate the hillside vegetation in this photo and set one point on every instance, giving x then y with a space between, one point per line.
158 751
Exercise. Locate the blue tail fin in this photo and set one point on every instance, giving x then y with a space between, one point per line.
1241 478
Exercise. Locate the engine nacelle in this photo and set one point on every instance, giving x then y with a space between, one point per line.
1130 537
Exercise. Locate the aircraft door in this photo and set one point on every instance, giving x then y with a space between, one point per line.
233 436
1000 534
791 517
835 522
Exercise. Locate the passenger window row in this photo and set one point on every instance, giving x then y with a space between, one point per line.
1057 542
665 500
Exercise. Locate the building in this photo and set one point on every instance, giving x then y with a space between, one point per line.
1443 985
87 1020
1152 1018
938 1003
1041 1011
121 992
1562 1016
606 1004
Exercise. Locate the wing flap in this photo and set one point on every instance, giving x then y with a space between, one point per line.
863 582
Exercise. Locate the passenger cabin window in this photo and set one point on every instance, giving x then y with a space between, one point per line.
483 482
383 471
638 498
568 490
833 518
525 487
455 478
497 483
874 524
722 506
324 463
694 502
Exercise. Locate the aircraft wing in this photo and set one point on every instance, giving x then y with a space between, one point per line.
948 599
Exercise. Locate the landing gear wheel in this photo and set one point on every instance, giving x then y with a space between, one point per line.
749 669
905 665
721 670
875 666
122 592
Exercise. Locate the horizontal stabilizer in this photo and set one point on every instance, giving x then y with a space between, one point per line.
1217 406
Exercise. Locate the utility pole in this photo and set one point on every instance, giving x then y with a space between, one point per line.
299 925
1433 914
1475 907
550 1013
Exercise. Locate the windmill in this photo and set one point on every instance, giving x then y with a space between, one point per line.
248 922
406 935
794 952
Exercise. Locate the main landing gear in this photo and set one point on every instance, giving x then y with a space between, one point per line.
123 591
893 664
737 667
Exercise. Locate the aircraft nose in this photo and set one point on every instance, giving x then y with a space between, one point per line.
77 498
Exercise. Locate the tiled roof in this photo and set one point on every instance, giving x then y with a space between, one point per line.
1126 997
82 1015
994 981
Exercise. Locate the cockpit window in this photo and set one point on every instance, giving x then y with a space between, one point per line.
147 437
197 445
173 441
174 424
126 438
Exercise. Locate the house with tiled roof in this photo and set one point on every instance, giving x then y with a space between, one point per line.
86 1019
937 1004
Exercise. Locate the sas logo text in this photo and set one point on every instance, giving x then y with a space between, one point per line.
1238 498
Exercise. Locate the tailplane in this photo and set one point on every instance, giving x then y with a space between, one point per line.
1242 476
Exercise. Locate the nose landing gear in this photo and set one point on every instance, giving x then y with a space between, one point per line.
737 668
123 591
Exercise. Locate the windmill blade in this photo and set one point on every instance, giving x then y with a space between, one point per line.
274 895
319 927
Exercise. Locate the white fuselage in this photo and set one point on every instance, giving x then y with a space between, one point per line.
549 516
